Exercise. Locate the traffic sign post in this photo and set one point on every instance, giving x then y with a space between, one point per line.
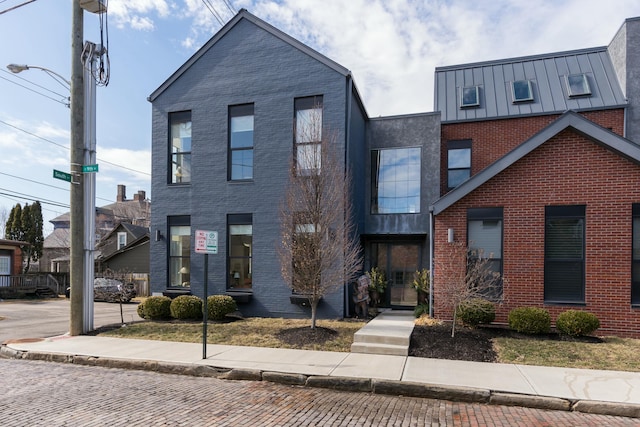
206 243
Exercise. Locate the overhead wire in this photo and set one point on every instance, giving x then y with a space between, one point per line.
65 103
213 11
46 185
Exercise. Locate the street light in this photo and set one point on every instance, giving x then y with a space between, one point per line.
18 68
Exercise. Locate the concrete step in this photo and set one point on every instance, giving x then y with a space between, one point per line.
388 333
386 349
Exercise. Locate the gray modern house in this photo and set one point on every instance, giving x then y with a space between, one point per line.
223 139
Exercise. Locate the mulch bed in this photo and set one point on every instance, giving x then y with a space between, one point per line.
306 335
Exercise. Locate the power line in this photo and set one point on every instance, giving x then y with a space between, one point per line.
67 148
15 7
66 104
47 185
30 197
14 75
213 11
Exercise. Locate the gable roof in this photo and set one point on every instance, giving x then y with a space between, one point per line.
243 14
135 230
547 74
569 120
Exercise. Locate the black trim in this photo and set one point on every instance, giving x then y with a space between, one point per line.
485 213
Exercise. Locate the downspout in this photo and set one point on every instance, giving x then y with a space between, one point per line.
431 272
347 138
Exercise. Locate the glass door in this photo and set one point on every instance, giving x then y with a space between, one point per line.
399 262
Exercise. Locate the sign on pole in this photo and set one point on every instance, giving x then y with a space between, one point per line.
89 168
206 242
62 175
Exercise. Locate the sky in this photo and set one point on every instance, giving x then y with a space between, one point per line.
391 46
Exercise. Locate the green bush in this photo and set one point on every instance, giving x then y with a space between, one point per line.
155 308
421 309
186 307
575 323
475 311
530 320
218 306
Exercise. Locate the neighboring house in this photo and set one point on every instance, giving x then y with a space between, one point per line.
10 260
124 250
55 253
535 160
542 159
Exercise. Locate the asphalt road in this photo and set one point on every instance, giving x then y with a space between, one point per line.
55 394
50 317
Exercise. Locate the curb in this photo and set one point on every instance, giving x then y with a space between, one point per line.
362 385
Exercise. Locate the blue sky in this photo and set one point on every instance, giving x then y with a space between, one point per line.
391 46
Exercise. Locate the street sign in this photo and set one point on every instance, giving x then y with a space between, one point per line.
62 175
89 168
206 242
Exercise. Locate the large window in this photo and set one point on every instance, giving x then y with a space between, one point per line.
180 146
241 142
635 274
458 162
308 133
395 181
564 254
484 240
179 251
240 228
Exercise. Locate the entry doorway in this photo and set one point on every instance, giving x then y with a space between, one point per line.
399 261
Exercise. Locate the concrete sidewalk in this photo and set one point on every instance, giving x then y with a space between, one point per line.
594 391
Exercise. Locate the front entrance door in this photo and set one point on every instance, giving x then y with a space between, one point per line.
399 262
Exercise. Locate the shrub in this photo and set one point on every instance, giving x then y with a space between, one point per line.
140 310
475 311
155 308
530 320
575 323
218 306
186 307
420 310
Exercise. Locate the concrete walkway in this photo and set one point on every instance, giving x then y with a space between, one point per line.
595 391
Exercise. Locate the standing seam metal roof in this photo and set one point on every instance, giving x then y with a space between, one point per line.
547 74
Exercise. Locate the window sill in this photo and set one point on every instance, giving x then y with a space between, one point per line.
240 297
574 303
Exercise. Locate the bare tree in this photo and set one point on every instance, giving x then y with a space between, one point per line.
466 276
319 251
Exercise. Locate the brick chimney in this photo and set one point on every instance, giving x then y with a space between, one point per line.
140 196
122 193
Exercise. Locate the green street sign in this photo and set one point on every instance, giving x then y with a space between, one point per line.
89 168
62 175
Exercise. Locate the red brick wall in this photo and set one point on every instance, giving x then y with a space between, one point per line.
567 170
494 138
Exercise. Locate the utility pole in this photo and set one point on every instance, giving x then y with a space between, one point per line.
77 186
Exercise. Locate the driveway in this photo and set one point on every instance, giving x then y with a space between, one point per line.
50 317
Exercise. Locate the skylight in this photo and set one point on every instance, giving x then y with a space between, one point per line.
470 97
578 85
522 91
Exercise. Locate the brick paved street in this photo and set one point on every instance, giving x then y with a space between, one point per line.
42 393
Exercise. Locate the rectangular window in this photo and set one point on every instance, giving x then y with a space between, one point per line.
578 85
308 133
179 251
395 181
241 142
470 97
635 256
521 91
5 265
122 240
564 254
458 162
240 229
180 147
484 240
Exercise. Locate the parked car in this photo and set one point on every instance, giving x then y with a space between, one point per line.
110 290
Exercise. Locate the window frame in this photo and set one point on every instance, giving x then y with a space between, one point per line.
463 96
177 172
635 255
241 110
174 222
119 244
245 219
459 144
514 91
586 88
551 290
315 104
376 207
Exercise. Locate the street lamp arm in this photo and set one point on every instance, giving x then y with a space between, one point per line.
17 68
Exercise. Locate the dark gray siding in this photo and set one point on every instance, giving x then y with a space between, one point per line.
246 65
416 130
